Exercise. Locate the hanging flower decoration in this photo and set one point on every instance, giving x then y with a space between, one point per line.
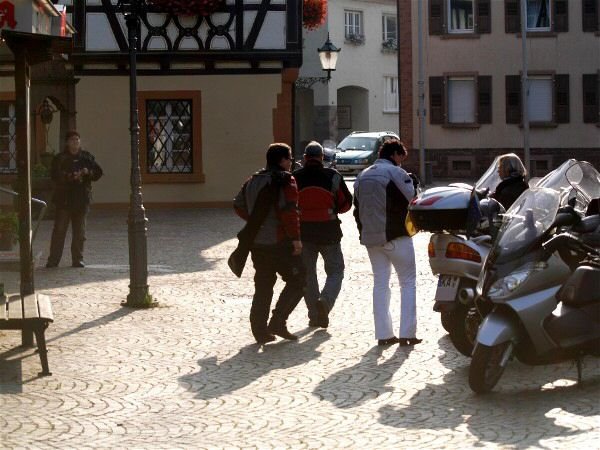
187 7
315 12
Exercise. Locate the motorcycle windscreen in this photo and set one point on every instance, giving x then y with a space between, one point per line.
525 222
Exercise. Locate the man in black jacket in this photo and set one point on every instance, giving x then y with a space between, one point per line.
323 195
72 171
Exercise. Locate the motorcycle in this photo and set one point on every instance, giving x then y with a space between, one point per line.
541 279
463 231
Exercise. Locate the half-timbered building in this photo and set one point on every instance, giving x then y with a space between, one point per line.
213 92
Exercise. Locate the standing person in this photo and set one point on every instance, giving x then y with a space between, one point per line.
382 193
512 172
72 172
276 248
322 195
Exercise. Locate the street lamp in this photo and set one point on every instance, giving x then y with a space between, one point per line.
328 55
138 296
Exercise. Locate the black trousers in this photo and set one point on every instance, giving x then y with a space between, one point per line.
61 224
268 262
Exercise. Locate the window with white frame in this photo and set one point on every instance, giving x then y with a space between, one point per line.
353 23
390 97
540 98
462 100
460 16
390 29
538 15
8 138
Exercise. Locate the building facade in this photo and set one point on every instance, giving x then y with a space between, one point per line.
473 62
213 93
363 92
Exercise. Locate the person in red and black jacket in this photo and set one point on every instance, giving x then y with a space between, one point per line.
277 246
323 195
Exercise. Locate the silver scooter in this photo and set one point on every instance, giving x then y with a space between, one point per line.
544 310
457 248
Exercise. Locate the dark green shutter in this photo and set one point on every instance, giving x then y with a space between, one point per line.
512 16
590 14
436 100
561 86
436 17
513 99
484 16
561 16
484 99
591 98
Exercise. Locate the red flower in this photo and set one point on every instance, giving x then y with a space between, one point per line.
187 7
315 12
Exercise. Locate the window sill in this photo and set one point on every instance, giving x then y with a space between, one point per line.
172 178
541 125
461 125
460 36
539 34
392 111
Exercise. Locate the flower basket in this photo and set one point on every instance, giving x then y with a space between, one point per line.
314 13
187 7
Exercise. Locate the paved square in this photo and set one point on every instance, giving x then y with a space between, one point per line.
188 375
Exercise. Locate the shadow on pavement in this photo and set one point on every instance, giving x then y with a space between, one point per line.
179 241
506 416
366 380
115 315
249 365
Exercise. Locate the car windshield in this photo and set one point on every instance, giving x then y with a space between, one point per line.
358 143
532 214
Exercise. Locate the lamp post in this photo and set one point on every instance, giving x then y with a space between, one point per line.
138 296
328 56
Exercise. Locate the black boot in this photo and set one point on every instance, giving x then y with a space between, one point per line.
278 327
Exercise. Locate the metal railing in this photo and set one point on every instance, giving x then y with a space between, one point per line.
41 212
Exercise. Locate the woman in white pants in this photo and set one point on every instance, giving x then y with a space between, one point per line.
382 193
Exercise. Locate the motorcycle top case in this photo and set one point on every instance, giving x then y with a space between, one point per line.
442 208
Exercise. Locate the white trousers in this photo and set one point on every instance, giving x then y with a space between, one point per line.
401 254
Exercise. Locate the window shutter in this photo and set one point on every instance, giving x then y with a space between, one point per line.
591 98
561 16
561 86
484 99
513 99
512 16
484 16
436 17
590 14
436 100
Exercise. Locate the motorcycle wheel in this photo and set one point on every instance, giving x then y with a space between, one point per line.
486 368
460 331
446 317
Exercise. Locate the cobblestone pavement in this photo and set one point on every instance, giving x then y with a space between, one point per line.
188 375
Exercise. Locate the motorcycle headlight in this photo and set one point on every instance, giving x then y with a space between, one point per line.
504 286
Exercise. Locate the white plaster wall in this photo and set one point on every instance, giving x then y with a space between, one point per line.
363 65
237 127
499 54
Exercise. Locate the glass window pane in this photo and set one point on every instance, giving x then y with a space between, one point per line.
460 14
538 15
540 99
169 136
461 100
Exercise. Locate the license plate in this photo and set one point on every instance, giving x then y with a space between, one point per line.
447 288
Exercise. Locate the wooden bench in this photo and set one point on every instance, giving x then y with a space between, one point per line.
31 314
